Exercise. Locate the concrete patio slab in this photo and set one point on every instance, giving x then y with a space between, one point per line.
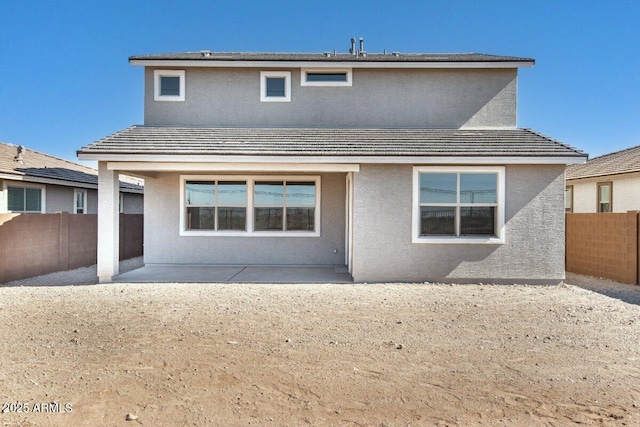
236 274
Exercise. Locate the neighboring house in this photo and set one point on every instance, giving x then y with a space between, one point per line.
399 167
609 183
34 182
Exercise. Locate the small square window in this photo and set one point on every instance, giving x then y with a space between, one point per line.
169 85
275 86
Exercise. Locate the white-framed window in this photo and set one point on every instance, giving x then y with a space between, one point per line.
79 201
568 198
216 205
275 86
326 77
264 205
25 198
458 204
169 85
605 195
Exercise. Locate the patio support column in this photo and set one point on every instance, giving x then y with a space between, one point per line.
108 223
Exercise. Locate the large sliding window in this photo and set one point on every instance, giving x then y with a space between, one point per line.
25 199
284 205
458 205
251 206
216 205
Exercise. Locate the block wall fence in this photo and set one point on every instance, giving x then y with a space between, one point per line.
36 244
603 245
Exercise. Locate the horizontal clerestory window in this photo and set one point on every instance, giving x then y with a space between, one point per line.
326 77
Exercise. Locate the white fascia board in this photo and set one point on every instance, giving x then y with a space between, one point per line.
49 181
304 160
62 183
234 167
322 64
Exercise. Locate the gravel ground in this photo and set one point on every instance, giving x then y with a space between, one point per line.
318 354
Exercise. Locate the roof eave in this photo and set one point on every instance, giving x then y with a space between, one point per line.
430 159
329 64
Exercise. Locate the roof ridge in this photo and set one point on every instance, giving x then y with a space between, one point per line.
615 152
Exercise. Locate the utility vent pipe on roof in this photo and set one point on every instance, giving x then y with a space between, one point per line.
360 51
20 152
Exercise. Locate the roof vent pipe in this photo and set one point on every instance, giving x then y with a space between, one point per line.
19 153
361 51
352 51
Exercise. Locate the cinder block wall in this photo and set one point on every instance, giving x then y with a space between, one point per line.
603 245
35 244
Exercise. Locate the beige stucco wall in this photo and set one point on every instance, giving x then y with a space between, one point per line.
534 223
625 189
164 245
429 98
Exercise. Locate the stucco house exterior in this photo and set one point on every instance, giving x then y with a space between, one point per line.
608 183
397 167
35 182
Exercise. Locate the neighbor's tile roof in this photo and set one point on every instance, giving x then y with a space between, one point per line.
624 161
150 140
330 57
34 164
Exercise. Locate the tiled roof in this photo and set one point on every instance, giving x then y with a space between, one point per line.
329 57
157 140
34 164
624 161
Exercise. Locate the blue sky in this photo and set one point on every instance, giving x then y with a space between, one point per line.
66 80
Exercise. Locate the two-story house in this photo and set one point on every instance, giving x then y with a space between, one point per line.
399 167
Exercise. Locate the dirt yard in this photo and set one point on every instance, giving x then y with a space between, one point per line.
321 355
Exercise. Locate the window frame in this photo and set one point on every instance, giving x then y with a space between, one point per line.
216 205
306 71
157 78
263 86
598 202
568 188
500 233
250 181
24 185
75 201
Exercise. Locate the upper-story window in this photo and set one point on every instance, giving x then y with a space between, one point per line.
169 85
275 86
329 77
